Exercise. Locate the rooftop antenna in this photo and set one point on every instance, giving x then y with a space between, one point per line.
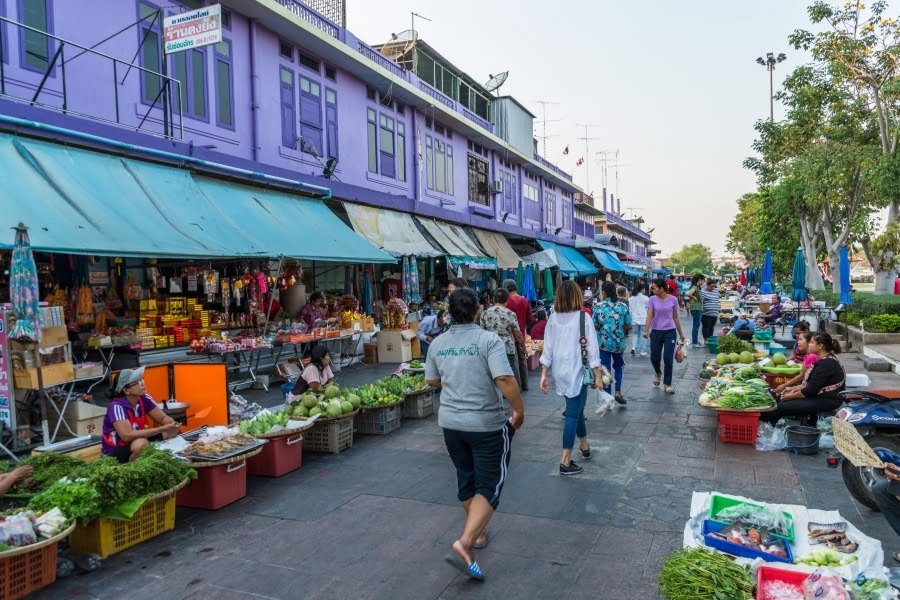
587 154
544 120
496 81
412 22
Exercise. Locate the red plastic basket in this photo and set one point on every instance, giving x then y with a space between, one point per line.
766 575
280 456
23 574
736 427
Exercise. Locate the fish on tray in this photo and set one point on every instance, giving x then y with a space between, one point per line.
757 538
833 535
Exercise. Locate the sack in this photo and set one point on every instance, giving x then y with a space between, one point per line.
604 400
680 353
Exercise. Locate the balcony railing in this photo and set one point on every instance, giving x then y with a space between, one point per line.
618 221
314 18
583 229
380 59
484 124
159 113
552 167
439 96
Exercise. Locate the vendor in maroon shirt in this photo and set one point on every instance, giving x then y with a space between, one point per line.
537 330
126 426
519 305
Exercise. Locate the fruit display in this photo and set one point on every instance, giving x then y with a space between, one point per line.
334 402
825 558
263 423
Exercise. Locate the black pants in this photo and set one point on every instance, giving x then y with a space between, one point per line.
523 367
802 407
662 347
481 459
708 323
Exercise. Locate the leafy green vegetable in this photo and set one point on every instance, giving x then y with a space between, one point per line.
703 574
77 500
867 589
732 344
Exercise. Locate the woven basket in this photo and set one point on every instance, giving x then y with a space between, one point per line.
26 570
853 446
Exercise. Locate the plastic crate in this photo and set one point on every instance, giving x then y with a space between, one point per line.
712 344
280 456
379 420
718 503
737 549
766 575
418 405
737 427
109 536
24 574
331 436
215 487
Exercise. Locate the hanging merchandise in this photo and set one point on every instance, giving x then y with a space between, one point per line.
84 307
226 294
23 290
415 294
238 291
113 302
210 285
405 283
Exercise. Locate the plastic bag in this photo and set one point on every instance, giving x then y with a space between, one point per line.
769 437
824 584
870 585
17 531
605 401
770 517
680 353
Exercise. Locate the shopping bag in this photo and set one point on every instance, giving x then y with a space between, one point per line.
603 400
680 353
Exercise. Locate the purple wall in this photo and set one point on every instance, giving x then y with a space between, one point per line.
98 88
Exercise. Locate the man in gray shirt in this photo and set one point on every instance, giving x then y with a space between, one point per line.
470 366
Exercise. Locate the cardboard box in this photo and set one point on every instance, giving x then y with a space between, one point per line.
395 346
534 361
50 336
52 375
415 344
370 356
83 418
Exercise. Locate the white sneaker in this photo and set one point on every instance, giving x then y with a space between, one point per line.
643 354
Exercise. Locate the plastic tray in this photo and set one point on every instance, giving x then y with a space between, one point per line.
737 549
718 502
769 574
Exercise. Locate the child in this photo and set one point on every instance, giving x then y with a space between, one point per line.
809 359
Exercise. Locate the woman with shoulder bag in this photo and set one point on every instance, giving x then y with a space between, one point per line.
571 350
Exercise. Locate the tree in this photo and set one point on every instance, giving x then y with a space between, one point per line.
860 50
764 220
696 258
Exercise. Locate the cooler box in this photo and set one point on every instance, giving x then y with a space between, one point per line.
215 487
280 456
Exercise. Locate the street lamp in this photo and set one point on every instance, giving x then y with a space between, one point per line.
769 63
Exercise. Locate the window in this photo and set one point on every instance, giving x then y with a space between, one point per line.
386 146
150 51
401 109
310 116
509 191
386 101
429 162
288 110
331 133
370 94
401 151
286 51
529 192
308 61
35 45
449 169
438 165
189 68
372 136
226 19
531 207
478 181
330 73
550 206
567 216
224 84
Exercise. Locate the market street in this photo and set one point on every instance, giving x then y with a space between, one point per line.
376 520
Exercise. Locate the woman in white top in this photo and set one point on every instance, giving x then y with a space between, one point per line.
637 304
317 374
562 352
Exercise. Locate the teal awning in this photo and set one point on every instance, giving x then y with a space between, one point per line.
571 262
84 202
609 261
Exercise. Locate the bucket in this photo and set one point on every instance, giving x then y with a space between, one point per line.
803 439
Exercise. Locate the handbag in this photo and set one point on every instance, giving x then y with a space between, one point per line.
587 374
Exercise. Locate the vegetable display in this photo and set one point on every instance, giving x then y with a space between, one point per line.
264 422
416 364
732 344
825 558
868 589
703 574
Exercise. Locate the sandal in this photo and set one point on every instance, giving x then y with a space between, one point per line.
656 380
669 389
473 571
487 540
620 398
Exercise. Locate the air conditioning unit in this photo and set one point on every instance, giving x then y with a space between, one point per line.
497 186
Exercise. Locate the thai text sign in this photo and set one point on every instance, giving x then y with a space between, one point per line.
193 29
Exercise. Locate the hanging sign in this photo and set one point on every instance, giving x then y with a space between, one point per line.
193 29
98 278
5 392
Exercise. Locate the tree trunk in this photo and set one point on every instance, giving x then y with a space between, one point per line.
809 241
884 282
884 277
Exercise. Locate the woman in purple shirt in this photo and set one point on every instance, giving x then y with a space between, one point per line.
662 323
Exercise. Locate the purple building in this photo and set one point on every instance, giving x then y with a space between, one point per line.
287 93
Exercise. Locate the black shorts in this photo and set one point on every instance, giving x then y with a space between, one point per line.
123 453
481 459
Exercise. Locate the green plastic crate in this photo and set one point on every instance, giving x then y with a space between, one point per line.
717 503
712 344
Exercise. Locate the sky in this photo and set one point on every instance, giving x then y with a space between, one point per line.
673 86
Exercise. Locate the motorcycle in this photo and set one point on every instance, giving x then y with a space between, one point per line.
876 416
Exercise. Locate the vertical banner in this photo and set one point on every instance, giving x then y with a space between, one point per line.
6 397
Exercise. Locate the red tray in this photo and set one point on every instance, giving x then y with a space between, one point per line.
769 574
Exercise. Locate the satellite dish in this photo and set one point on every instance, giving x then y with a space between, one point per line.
496 81
407 35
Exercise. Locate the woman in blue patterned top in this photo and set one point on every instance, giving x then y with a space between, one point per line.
612 320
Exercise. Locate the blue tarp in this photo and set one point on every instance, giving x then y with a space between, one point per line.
84 202
571 262
609 260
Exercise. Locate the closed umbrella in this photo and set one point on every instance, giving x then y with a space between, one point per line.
798 277
520 276
845 276
367 292
414 295
766 286
404 281
24 291
528 290
549 294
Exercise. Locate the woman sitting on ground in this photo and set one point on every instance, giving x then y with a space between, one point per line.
809 359
820 392
317 375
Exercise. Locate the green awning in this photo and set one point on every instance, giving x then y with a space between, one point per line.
79 201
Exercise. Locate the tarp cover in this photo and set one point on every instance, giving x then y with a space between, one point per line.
457 244
545 259
609 260
496 245
392 231
571 262
83 202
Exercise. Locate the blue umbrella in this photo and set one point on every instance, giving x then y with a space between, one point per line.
528 290
24 290
367 292
845 277
798 277
766 285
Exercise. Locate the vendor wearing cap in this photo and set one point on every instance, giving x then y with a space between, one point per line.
126 426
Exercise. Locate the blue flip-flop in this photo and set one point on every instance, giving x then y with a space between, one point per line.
487 540
473 571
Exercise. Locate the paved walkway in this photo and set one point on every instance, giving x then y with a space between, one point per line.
375 521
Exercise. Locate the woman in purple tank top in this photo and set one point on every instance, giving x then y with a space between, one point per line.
662 324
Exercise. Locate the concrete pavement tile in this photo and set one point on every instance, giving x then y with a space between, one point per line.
663 545
781 495
211 592
673 419
549 539
702 421
623 541
696 449
674 470
548 580
734 472
776 477
612 578
639 429
501 572
667 459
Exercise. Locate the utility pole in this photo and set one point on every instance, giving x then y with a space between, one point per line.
769 63
587 153
543 122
